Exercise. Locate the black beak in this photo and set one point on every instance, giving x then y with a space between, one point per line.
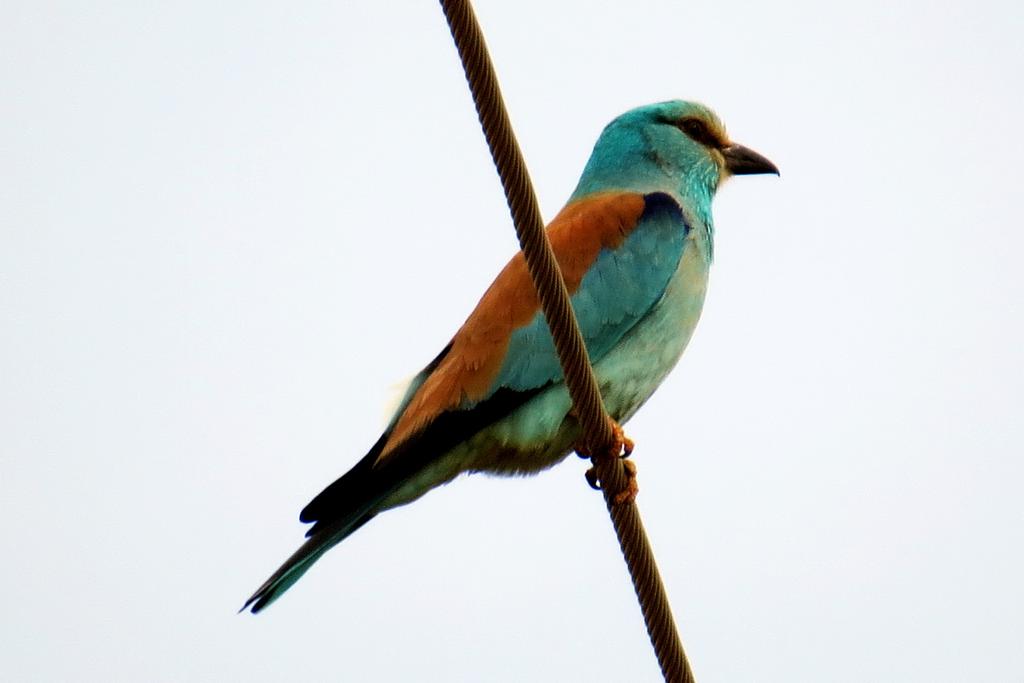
740 160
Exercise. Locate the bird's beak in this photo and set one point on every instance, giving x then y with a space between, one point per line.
740 160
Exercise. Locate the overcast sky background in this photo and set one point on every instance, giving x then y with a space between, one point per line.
227 229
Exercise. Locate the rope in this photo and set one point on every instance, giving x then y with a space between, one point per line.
595 424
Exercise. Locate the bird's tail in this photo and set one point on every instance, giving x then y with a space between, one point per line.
336 512
300 561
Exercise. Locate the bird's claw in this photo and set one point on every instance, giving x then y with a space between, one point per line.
628 494
621 446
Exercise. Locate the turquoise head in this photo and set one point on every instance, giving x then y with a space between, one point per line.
676 147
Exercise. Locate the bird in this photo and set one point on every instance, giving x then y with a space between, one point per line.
634 244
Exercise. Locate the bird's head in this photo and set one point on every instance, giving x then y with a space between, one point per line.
679 147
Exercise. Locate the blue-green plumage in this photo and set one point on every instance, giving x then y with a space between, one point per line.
493 400
618 289
642 151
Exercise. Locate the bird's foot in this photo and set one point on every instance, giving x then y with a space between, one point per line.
621 446
628 494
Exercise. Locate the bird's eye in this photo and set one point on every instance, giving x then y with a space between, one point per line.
697 131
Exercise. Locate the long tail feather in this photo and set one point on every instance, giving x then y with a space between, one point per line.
336 512
300 561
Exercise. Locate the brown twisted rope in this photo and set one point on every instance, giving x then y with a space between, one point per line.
579 378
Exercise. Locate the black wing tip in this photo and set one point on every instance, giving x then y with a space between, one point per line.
345 488
326 503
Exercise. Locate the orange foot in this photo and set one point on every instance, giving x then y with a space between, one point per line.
622 446
628 494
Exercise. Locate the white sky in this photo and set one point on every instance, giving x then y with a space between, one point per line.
226 229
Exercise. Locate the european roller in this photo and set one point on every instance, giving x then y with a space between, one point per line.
634 243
